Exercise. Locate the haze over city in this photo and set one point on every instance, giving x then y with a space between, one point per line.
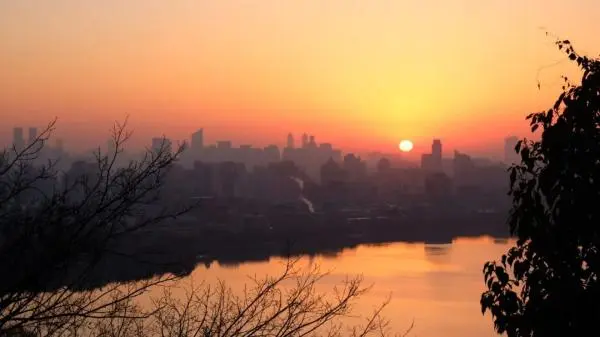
292 168
361 75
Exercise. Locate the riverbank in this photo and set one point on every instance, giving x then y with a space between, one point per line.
178 247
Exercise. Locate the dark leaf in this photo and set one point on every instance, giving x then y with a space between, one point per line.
518 146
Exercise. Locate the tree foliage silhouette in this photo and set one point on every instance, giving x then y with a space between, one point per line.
547 284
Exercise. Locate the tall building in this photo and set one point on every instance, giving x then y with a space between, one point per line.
312 142
304 140
464 168
290 141
432 162
510 155
33 134
198 140
436 149
18 138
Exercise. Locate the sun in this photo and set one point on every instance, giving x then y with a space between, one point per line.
406 145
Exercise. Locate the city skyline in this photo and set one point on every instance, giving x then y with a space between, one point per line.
196 140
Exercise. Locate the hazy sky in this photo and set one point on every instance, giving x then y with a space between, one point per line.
361 74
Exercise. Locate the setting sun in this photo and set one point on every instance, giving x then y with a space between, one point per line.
406 145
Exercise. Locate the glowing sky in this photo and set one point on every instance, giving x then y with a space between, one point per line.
361 74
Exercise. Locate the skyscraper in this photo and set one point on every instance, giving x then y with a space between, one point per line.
304 140
436 149
290 141
312 143
432 162
18 139
198 140
436 155
33 134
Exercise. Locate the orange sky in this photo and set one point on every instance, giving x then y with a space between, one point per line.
360 74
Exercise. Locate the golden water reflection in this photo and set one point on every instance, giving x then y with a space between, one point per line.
437 286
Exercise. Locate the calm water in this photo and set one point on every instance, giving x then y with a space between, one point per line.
436 286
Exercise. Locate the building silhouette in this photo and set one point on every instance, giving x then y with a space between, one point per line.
224 144
331 173
464 169
312 143
197 140
304 140
33 134
290 141
355 167
18 138
432 162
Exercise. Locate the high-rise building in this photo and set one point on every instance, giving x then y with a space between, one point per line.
198 140
18 138
464 168
436 149
33 134
290 141
510 155
436 155
304 140
432 162
312 142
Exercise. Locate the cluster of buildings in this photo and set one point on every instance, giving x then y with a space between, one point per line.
33 141
223 169
19 140
309 155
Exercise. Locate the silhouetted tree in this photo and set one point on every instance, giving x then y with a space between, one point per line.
548 283
287 305
55 228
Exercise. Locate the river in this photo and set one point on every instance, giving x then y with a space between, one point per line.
436 286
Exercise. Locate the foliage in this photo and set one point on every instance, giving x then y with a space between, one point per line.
547 284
